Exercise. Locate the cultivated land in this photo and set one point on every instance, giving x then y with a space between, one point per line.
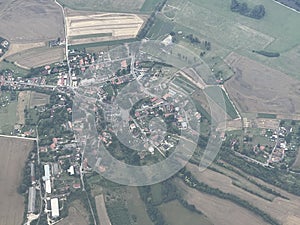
258 88
296 164
20 47
77 215
36 57
30 21
101 210
8 118
276 207
105 5
276 32
13 155
219 211
86 27
175 214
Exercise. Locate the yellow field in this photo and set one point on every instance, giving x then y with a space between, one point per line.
87 28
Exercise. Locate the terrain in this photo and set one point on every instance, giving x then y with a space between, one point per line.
13 152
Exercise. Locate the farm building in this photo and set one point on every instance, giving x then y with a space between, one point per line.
47 172
31 200
48 186
54 207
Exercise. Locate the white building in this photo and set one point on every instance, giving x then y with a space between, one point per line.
48 186
47 172
31 200
54 207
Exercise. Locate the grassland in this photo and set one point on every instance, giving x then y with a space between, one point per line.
276 32
36 57
13 152
219 96
149 5
18 71
77 215
259 88
175 214
104 6
8 117
101 210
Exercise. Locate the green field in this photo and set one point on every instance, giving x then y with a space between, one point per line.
143 6
103 43
8 117
276 32
215 94
175 214
266 115
18 71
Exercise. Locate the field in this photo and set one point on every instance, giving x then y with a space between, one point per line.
296 165
83 27
77 215
258 88
8 118
30 21
18 71
37 57
137 207
101 210
276 207
218 210
276 32
28 100
13 152
175 214
104 5
19 47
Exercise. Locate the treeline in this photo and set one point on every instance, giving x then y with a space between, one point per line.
144 31
267 54
279 178
257 12
192 182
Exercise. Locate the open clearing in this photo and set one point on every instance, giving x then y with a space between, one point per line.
276 32
13 152
296 164
105 5
30 21
77 215
91 27
175 214
20 47
36 57
217 210
8 117
278 208
258 88
101 210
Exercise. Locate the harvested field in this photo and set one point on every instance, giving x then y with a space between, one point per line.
217 210
278 208
87 28
36 57
38 99
13 152
77 215
258 88
101 210
16 48
30 21
23 102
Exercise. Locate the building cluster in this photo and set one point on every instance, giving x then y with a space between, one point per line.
4 46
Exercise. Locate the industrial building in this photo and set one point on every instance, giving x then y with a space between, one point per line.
54 207
48 186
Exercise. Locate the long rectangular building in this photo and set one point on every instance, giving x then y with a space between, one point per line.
31 200
54 207
48 186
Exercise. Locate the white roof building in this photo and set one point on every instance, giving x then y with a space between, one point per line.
48 186
47 172
54 207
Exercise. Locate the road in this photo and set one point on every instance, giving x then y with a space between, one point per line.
18 137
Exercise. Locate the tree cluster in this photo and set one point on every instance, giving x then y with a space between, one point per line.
257 12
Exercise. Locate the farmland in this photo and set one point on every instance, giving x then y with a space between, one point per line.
30 21
258 88
8 117
86 28
101 210
217 210
276 207
175 214
36 57
104 6
13 152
